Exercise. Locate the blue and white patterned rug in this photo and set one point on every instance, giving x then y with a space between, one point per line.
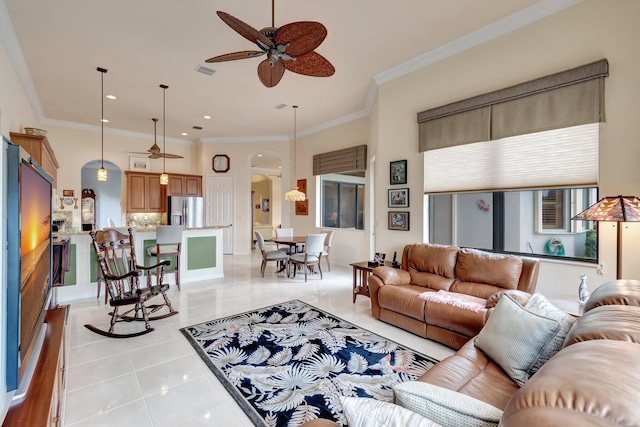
290 363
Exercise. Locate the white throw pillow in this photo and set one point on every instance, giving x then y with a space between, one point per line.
514 337
538 304
365 412
444 406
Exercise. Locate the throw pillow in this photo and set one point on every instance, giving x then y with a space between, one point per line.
366 412
444 406
538 304
513 337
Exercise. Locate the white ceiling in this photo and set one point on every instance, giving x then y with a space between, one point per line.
144 43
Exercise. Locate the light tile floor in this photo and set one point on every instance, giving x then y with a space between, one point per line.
158 380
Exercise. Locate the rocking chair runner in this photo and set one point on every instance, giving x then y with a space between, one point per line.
117 262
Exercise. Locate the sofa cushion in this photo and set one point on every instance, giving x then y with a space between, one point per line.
460 313
403 299
520 297
607 322
620 292
436 259
538 304
514 338
455 299
499 270
444 406
366 412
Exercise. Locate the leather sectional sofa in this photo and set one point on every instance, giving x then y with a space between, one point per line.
459 282
594 380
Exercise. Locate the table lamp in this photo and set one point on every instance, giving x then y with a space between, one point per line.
613 209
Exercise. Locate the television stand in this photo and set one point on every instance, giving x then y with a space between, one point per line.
43 404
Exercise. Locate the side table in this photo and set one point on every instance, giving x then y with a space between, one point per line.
361 272
567 303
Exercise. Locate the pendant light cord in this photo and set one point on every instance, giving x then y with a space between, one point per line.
102 119
164 130
295 138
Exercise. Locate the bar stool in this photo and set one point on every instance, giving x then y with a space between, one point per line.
168 245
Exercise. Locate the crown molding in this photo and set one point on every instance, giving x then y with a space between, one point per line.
238 139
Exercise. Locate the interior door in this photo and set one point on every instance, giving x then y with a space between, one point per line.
220 202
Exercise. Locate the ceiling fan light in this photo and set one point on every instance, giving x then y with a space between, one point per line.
102 174
164 179
295 195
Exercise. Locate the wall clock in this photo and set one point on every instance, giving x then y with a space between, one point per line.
221 163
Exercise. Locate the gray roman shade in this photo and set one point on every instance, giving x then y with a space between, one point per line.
352 159
569 98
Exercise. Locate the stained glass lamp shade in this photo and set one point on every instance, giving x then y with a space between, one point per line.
613 209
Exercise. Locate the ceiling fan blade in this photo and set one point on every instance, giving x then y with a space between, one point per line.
303 37
155 156
245 30
270 75
311 64
236 55
170 156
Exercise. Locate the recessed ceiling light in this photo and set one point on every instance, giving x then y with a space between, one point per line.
104 120
184 134
111 96
259 155
207 117
279 167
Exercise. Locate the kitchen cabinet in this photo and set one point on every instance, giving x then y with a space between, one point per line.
40 150
144 192
184 185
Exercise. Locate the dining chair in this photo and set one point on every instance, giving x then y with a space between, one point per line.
121 273
284 233
278 256
327 247
313 248
168 245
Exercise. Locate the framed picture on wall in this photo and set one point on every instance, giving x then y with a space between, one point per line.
399 198
265 205
302 208
399 221
398 172
139 164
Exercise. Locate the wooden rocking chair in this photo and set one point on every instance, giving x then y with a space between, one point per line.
117 262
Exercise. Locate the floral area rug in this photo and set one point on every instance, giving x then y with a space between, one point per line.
290 363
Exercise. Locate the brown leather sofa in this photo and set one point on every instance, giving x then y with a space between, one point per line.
468 275
594 380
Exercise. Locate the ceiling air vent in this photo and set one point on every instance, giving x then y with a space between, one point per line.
197 127
205 70
280 106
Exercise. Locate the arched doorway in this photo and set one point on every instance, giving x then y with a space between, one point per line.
108 193
266 192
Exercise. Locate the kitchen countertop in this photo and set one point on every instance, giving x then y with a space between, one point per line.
142 230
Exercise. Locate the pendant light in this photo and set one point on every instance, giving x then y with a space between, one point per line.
294 195
102 172
164 178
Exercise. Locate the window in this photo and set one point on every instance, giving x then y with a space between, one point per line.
528 222
342 201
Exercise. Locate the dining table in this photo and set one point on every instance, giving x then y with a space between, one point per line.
294 242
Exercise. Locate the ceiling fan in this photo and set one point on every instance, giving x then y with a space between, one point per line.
154 152
290 47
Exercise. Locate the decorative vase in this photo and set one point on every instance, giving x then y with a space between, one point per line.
583 292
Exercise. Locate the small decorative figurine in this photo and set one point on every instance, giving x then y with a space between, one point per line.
583 292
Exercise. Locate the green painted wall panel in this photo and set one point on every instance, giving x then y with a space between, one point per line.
70 277
201 252
93 262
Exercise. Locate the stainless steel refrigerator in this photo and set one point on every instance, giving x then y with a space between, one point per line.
187 211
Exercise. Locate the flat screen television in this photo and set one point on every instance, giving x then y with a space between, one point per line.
28 291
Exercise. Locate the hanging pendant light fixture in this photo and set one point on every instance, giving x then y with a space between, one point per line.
164 178
102 172
294 195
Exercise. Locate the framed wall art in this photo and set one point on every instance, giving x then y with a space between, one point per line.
398 172
302 208
399 198
399 221
139 164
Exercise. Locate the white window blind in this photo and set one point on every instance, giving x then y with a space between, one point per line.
565 157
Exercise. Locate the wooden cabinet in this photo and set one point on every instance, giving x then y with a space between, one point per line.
144 192
43 404
38 147
184 185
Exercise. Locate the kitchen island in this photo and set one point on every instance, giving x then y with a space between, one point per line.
201 259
